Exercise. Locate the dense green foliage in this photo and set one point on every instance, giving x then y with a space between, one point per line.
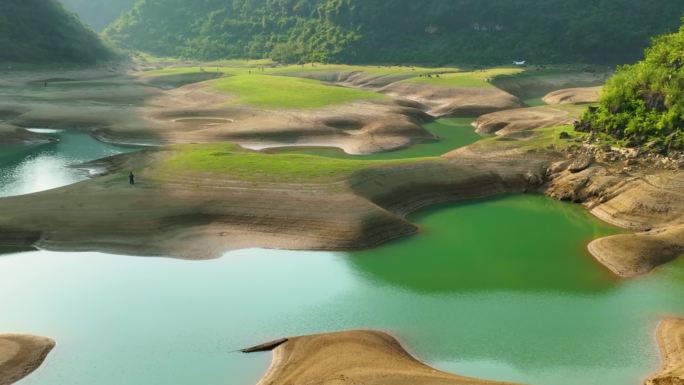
386 31
40 31
644 103
98 13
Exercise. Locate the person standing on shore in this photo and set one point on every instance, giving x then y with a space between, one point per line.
131 178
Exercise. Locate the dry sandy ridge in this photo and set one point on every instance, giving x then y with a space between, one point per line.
20 355
670 337
522 119
353 358
574 95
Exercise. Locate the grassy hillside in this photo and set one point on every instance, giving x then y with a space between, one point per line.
41 31
643 104
98 13
386 31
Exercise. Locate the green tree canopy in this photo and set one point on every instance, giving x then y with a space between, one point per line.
386 31
38 31
643 104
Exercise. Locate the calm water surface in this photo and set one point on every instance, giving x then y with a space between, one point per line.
500 289
29 169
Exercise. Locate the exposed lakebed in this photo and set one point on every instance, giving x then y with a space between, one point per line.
499 289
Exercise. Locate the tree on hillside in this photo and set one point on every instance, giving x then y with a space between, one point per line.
643 104
39 31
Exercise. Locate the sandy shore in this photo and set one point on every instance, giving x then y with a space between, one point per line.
20 355
630 255
670 337
355 357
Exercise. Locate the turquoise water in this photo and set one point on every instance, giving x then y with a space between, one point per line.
29 169
460 295
501 289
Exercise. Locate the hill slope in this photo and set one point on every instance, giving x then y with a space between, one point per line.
41 31
643 104
98 13
385 31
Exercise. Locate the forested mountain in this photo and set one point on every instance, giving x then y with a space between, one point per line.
98 13
426 31
40 31
643 104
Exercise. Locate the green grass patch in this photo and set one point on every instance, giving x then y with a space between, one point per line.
182 71
372 70
288 92
232 161
474 79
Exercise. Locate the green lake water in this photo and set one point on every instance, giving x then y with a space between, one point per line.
453 133
501 289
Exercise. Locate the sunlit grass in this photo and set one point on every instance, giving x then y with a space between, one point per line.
473 79
287 92
233 162
369 69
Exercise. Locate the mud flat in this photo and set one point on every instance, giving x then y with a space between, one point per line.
670 337
355 357
20 355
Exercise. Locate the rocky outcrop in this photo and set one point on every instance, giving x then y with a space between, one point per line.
648 200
